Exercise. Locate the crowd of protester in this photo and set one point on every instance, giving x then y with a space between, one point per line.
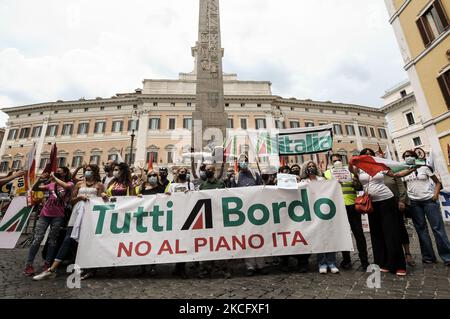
412 193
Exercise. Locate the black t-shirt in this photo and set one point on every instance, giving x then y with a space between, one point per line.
157 190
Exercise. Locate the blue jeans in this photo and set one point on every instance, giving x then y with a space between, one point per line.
55 223
432 211
326 259
65 246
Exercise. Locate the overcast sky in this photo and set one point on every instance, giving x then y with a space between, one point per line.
338 50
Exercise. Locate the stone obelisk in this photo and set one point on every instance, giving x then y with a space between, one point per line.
209 117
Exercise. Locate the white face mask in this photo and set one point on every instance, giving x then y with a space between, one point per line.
116 174
338 164
410 160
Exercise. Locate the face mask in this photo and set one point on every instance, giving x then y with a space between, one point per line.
209 174
295 172
57 175
182 176
88 174
188 176
410 160
243 165
203 175
337 164
163 176
107 169
311 171
116 174
153 180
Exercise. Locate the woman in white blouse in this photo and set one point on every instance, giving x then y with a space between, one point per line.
384 223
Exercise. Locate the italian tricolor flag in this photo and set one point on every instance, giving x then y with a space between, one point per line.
373 165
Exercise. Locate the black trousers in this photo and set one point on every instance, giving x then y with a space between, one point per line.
354 218
385 235
403 232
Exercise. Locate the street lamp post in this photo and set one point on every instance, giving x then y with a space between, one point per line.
131 149
134 117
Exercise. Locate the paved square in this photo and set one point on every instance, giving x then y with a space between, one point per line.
424 282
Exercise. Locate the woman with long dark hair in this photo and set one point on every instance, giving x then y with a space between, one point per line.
121 184
52 214
83 191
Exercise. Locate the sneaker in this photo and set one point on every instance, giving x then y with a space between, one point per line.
346 265
29 271
334 269
46 266
226 275
401 272
250 272
264 271
153 271
45 275
303 268
204 274
323 269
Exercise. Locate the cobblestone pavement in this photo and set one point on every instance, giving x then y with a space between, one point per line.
424 282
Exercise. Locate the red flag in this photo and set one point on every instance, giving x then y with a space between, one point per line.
52 165
30 167
380 151
282 161
150 162
236 168
374 165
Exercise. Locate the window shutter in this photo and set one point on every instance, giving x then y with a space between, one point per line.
441 12
422 28
445 88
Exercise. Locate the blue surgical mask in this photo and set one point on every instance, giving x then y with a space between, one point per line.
243 165
88 174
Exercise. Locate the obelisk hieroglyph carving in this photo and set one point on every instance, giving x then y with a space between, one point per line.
209 117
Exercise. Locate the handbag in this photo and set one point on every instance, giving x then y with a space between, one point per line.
363 204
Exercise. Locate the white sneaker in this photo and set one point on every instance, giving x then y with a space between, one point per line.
334 269
323 269
44 275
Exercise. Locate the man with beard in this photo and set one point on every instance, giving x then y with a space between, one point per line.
109 171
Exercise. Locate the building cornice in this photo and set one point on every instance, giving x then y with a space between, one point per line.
428 49
399 11
410 98
437 119
396 88
68 104
328 105
140 99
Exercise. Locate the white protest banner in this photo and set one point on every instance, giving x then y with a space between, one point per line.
214 225
14 222
287 181
445 204
301 141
